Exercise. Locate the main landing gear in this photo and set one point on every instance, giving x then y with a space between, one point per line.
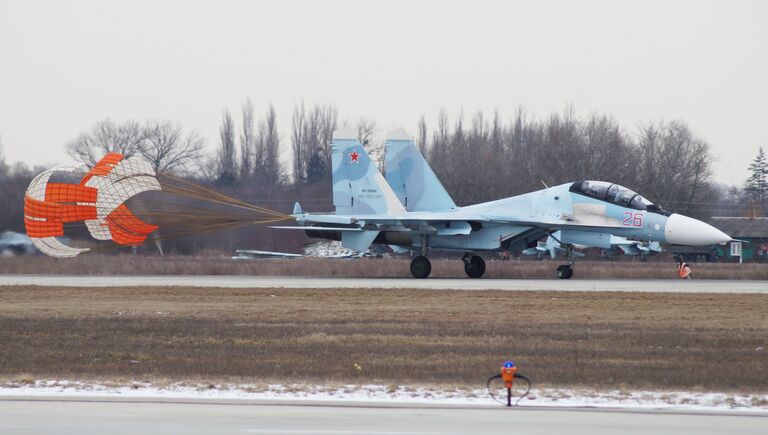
474 266
420 267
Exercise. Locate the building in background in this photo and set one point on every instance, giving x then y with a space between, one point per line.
752 230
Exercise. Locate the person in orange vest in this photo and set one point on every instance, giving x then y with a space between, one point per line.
683 270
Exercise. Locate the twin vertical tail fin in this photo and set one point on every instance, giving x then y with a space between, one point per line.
413 181
358 186
360 189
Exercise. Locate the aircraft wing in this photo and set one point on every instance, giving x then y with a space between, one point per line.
316 228
410 219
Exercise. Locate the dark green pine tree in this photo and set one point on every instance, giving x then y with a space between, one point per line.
757 183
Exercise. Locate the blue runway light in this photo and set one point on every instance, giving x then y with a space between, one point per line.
509 364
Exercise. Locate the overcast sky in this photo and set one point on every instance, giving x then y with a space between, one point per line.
66 64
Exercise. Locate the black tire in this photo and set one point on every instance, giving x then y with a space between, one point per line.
475 267
564 271
421 267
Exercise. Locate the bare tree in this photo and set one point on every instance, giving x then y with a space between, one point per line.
328 121
316 163
676 167
167 148
311 134
106 137
366 128
267 167
366 131
422 136
3 164
272 169
297 141
497 132
607 153
227 165
13 183
441 136
249 155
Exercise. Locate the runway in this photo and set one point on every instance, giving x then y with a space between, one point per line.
665 286
129 416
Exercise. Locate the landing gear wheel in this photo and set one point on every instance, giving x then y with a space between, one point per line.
564 271
421 267
474 266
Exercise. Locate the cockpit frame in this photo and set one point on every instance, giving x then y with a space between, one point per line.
614 194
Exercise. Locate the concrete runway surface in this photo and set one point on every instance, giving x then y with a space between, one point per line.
120 416
692 286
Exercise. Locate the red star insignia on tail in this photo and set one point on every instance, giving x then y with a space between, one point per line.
353 158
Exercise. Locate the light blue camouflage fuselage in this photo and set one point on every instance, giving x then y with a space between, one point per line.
411 209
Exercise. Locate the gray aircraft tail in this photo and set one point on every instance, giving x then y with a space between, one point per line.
413 181
358 186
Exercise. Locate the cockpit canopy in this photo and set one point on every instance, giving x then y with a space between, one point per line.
613 193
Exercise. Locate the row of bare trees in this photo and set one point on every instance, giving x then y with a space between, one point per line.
257 157
492 158
311 133
163 143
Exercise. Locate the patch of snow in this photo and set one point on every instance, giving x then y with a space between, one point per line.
560 397
327 249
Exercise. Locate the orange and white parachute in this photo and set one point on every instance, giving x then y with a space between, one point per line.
98 201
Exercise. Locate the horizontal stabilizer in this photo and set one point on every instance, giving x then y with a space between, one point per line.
358 241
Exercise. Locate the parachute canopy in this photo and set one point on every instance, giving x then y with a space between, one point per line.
98 201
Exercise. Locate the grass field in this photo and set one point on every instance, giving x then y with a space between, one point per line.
403 337
391 267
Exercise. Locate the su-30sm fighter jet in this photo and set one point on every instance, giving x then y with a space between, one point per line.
410 209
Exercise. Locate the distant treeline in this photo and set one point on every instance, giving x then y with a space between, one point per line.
478 158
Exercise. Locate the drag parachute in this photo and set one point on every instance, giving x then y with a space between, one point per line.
98 201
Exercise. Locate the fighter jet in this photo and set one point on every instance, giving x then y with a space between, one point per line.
12 244
411 209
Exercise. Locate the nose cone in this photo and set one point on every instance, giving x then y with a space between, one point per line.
682 230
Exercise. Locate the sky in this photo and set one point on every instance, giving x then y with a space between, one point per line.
64 65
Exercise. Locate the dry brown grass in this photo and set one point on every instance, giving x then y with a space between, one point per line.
608 340
394 267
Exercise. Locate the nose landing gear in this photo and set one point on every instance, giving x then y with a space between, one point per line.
474 265
565 271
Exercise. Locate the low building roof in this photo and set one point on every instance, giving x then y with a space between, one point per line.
742 227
